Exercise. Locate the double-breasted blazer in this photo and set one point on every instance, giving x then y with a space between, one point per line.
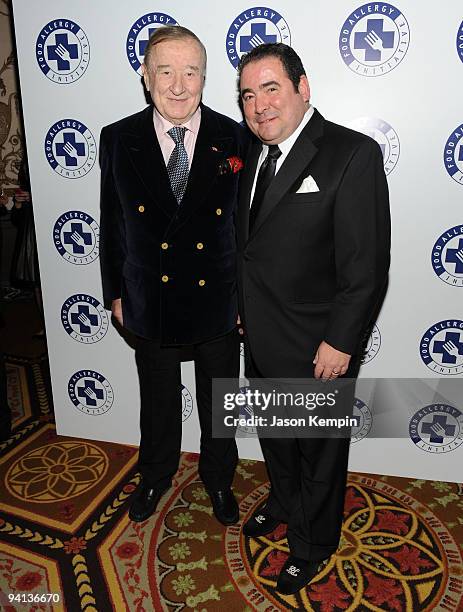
173 266
315 265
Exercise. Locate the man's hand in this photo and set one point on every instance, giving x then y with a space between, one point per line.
329 362
116 309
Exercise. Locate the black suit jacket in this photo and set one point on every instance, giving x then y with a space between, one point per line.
173 266
315 266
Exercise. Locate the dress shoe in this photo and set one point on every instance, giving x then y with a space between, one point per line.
224 506
260 523
145 502
296 574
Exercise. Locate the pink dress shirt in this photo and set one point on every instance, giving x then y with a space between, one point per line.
162 126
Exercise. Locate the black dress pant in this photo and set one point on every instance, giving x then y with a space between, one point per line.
161 409
307 484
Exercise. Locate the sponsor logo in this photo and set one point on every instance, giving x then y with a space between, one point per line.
254 27
441 347
84 318
364 419
447 256
140 33
187 403
373 345
90 392
70 148
385 136
460 41
374 39
62 51
437 428
76 237
453 155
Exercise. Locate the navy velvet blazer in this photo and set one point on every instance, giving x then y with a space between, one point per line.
173 266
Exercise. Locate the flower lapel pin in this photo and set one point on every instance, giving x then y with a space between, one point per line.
231 165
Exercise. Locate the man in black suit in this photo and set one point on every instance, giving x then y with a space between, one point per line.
313 247
168 259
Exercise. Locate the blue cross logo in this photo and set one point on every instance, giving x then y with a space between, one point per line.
84 319
258 37
89 392
438 428
449 348
456 256
77 238
62 52
142 44
70 149
374 36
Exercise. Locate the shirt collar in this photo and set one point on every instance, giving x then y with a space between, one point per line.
164 125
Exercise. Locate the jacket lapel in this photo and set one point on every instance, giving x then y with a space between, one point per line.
299 157
146 156
246 182
210 150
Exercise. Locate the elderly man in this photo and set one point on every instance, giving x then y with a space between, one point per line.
313 241
168 260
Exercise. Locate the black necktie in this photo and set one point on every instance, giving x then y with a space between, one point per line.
264 178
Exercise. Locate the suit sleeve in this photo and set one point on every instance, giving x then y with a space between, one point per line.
112 228
362 247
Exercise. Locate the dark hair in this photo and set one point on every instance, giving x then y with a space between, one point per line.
171 33
291 61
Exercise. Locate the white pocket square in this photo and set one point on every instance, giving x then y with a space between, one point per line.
308 185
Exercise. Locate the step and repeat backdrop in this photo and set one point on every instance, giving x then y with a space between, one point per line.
393 71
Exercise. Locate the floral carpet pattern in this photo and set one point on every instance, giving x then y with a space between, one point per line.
64 530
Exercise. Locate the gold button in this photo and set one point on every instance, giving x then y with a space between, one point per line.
201 283
218 212
164 246
165 278
141 208
199 246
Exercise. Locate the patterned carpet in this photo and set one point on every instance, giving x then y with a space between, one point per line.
64 530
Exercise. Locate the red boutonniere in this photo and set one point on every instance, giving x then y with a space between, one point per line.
231 165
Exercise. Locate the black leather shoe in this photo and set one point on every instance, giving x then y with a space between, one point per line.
260 523
145 503
224 506
296 574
